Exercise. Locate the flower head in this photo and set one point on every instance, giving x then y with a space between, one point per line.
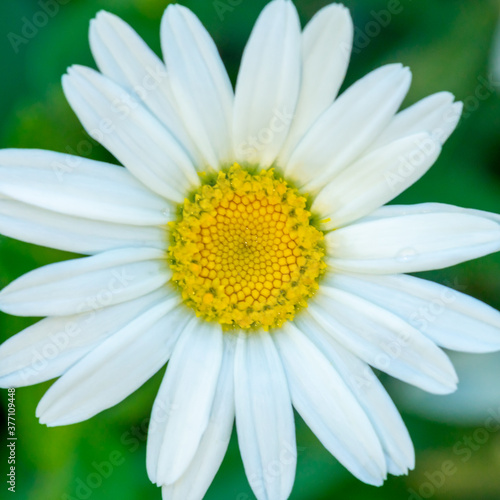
244 253
246 243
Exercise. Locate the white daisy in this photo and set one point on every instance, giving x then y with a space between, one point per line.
244 242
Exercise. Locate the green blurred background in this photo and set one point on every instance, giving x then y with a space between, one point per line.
448 46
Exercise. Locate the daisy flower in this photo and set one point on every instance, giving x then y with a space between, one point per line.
246 243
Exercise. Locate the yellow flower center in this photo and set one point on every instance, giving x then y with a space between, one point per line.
244 252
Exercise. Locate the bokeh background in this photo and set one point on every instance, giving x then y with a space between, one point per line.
449 45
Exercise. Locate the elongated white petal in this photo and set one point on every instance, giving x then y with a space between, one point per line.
326 49
113 370
127 129
86 284
370 394
264 417
182 409
394 243
195 481
77 186
163 408
141 72
328 407
200 84
73 234
268 83
383 340
449 318
437 114
347 128
390 211
48 348
475 404
375 179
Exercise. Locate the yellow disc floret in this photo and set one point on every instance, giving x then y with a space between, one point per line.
244 252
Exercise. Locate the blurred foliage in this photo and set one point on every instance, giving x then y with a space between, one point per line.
447 44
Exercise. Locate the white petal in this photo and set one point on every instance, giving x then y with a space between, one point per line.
86 284
328 407
123 56
48 348
370 394
264 417
127 129
182 409
428 208
347 128
77 186
476 403
73 234
383 340
437 114
268 83
199 82
113 370
326 49
195 482
396 243
449 318
375 179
